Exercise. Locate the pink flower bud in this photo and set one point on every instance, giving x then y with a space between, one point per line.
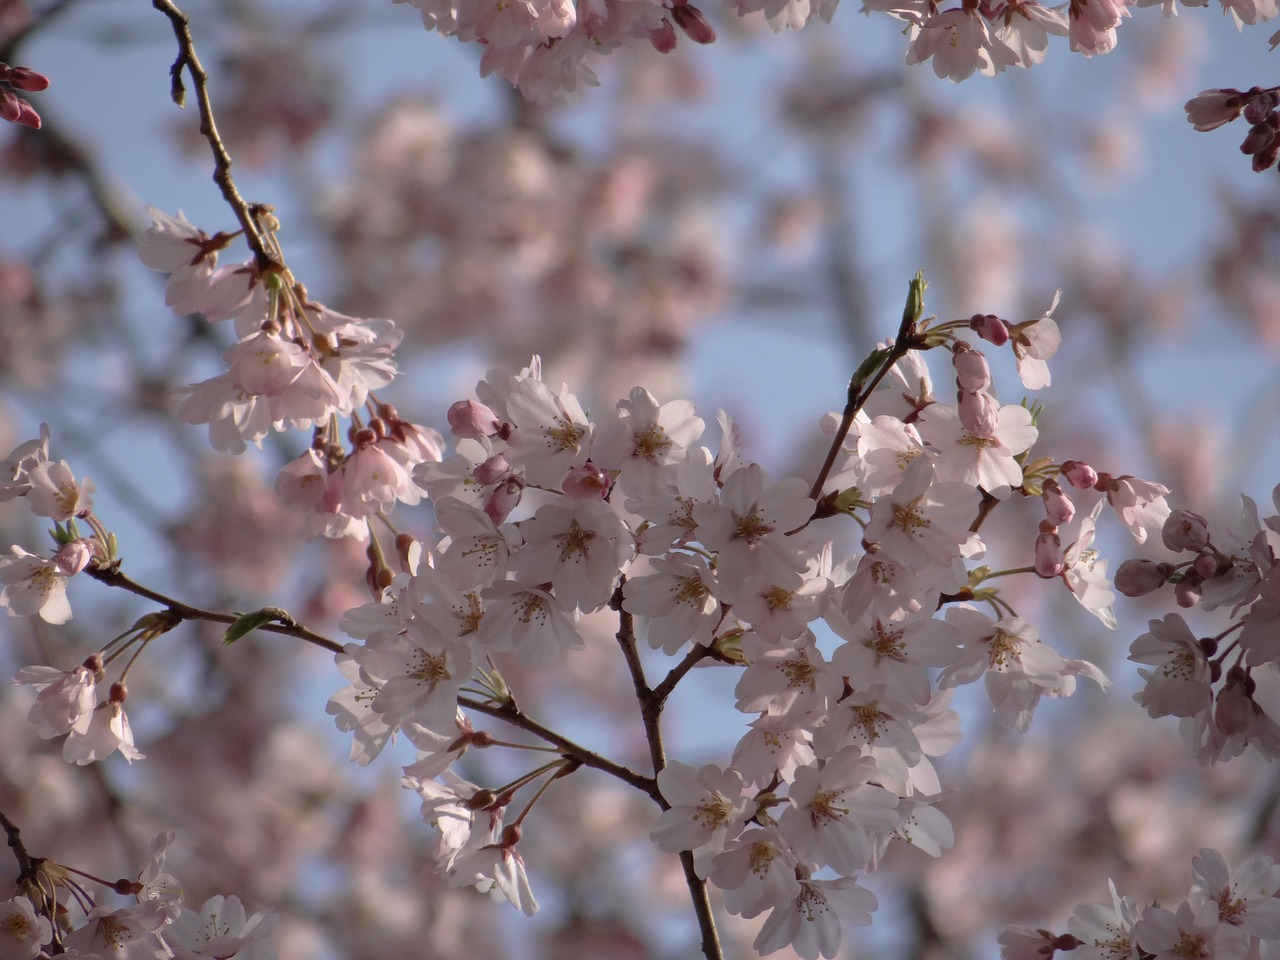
587 482
1185 530
26 79
493 470
1137 578
1258 139
27 116
503 499
471 420
1079 474
1187 592
1048 562
990 328
663 37
691 20
1259 104
1058 507
74 556
979 413
972 373
1206 565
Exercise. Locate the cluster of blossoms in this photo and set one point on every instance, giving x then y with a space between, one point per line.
296 364
155 924
1210 109
540 46
1209 682
35 585
548 515
1227 915
13 107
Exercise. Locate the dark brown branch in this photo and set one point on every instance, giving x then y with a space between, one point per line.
651 703
188 60
588 758
285 624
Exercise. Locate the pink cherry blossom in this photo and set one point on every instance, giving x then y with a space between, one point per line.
1179 685
708 808
34 586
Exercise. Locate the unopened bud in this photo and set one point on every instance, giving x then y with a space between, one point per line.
493 470
990 328
1258 139
1048 555
503 499
972 373
692 21
1137 578
1187 591
74 556
1079 474
1185 530
1058 507
1207 565
408 551
471 420
979 414
663 37
587 482
26 79
1259 105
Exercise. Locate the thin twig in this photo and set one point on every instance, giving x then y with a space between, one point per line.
188 60
588 758
285 624
868 376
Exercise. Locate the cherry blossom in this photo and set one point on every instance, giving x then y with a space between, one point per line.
22 932
221 928
34 585
1179 686
708 808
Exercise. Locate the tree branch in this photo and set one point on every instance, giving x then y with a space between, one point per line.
209 129
285 624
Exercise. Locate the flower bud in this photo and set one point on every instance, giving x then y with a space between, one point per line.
691 20
1259 104
1206 565
1136 578
972 373
990 328
471 420
1058 507
503 499
1079 474
74 556
1048 562
494 470
26 79
1187 591
663 37
1185 530
979 413
1258 139
587 482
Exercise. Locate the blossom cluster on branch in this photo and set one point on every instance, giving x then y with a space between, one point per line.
847 608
